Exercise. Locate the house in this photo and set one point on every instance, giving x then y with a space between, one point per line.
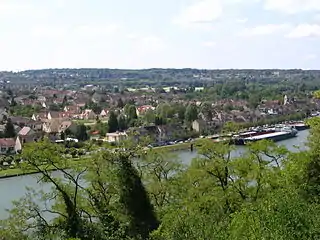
143 109
95 135
22 121
116 137
67 126
4 103
88 114
104 113
170 132
72 109
151 131
3 114
54 115
39 116
58 101
42 98
26 134
96 97
52 126
10 145
201 126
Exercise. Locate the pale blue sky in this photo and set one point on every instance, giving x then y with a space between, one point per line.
159 33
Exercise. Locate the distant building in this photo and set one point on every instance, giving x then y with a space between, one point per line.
104 113
10 145
26 135
116 137
285 100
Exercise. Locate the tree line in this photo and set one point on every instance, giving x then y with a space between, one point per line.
267 192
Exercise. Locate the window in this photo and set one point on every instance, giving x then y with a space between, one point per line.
3 149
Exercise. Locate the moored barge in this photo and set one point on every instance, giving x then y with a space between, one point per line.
276 136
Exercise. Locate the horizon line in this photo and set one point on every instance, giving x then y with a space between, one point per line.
155 68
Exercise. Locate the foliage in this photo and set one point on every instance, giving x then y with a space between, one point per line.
122 123
113 122
101 127
191 113
24 111
132 193
81 133
135 200
9 131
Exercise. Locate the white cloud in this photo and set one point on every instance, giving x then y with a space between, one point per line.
292 6
209 44
304 30
202 11
264 30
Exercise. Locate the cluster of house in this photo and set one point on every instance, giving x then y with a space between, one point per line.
33 129
53 123
156 133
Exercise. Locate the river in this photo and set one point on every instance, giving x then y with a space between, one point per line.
14 188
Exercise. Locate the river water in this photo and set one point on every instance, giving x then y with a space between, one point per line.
14 188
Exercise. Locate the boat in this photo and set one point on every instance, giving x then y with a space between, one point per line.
270 133
300 126
279 135
239 139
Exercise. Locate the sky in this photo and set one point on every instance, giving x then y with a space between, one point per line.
205 34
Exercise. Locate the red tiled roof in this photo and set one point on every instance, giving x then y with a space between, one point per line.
24 131
7 142
144 108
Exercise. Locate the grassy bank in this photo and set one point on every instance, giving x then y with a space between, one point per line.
176 147
15 172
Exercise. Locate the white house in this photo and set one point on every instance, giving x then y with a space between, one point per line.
88 114
116 136
104 113
10 145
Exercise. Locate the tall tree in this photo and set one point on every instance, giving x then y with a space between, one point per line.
130 111
135 200
9 131
122 123
113 122
65 101
81 133
191 113
120 103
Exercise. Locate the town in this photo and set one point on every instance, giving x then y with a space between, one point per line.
35 105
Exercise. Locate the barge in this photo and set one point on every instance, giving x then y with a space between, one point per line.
300 126
239 139
275 136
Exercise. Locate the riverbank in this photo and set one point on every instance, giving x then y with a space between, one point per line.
175 147
16 172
